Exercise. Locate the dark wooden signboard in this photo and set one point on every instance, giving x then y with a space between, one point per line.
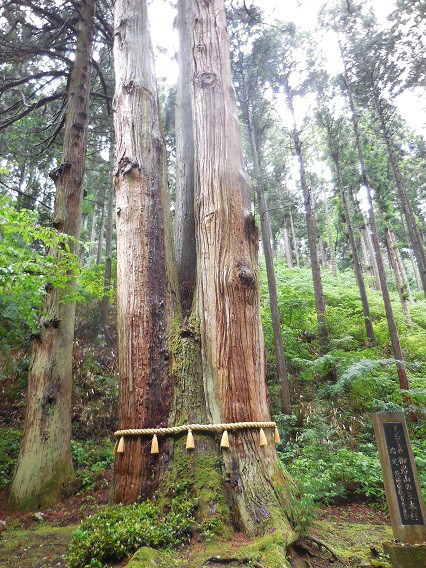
403 492
402 472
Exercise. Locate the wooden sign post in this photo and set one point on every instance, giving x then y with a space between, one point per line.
403 493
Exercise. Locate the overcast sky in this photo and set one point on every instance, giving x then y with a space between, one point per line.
411 105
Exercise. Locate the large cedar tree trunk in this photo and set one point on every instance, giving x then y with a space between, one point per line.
228 302
146 283
217 355
44 473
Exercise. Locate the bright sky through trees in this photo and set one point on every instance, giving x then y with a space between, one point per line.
411 104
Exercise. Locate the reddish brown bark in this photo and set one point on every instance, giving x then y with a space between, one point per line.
146 284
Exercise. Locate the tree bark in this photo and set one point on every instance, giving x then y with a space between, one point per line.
371 253
413 229
101 236
287 247
367 262
44 473
355 259
402 271
309 214
146 282
330 240
293 234
396 271
108 242
184 223
92 246
393 331
265 226
228 303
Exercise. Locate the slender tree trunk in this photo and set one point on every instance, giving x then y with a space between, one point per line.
44 472
355 259
228 303
405 281
329 239
146 284
367 262
287 247
184 223
92 246
81 253
310 223
371 253
293 234
101 236
398 279
270 271
108 242
413 229
412 257
393 331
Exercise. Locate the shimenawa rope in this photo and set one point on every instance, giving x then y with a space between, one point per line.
119 446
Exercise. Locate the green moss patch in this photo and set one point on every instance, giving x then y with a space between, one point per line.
39 548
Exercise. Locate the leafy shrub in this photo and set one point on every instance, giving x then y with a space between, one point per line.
10 442
118 531
91 460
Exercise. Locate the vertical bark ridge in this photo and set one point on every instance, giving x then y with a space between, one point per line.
146 283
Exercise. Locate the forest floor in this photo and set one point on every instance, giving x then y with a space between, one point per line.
354 532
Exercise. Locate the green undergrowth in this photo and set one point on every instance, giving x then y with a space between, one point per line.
328 443
118 531
91 459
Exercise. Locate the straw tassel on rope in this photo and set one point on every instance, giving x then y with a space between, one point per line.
190 441
224 443
277 438
154 445
262 438
120 447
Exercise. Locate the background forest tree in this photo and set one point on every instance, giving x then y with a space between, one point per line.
337 173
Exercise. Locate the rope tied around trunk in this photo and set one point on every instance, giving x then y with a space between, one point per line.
189 428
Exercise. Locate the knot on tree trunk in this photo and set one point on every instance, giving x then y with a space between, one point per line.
208 79
54 174
245 275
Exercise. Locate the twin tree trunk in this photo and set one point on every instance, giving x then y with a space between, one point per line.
44 473
220 376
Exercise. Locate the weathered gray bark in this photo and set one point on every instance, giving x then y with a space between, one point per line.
309 213
403 273
92 246
287 247
108 241
355 258
184 222
329 239
101 236
44 472
413 229
293 234
368 266
398 277
146 282
371 253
